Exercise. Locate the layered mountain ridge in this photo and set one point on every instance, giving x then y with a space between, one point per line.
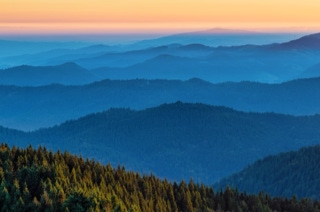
176 141
270 63
30 108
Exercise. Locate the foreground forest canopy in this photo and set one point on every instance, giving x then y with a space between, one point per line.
39 180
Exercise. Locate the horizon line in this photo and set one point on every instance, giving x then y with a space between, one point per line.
96 28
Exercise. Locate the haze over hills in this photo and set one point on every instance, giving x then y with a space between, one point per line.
176 141
220 37
267 63
30 108
283 175
12 48
245 65
58 56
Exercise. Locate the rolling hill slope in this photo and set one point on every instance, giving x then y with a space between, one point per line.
306 42
177 141
283 175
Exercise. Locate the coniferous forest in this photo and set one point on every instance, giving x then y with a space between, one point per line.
193 122
292 173
40 180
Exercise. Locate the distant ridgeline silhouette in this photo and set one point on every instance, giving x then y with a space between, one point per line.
270 63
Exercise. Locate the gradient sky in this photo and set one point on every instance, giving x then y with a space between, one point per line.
154 16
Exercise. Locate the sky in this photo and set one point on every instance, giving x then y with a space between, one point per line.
155 16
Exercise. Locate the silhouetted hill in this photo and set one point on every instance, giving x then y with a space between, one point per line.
177 141
30 108
283 175
311 42
68 73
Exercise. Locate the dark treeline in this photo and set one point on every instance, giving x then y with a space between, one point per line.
39 180
292 173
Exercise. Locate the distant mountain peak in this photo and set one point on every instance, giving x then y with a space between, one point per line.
194 46
97 46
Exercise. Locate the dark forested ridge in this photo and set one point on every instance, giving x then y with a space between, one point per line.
29 108
177 141
281 175
39 180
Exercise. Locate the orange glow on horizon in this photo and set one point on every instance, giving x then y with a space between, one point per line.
99 16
